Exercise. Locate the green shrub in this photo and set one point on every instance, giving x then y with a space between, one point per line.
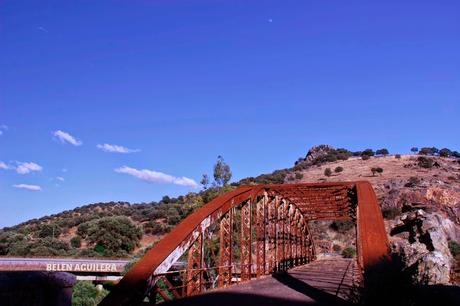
75 242
413 181
49 230
113 234
154 228
328 172
298 176
365 157
342 226
86 294
398 156
425 162
376 170
349 252
49 247
338 169
336 248
454 248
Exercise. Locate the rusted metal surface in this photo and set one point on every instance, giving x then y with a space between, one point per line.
272 235
225 260
195 266
246 241
373 244
261 220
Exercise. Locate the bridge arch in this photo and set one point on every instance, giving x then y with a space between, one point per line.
267 225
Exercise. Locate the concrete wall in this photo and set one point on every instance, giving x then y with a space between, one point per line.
36 288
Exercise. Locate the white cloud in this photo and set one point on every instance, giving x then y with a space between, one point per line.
42 29
28 187
157 177
115 149
3 166
3 128
60 178
24 168
66 137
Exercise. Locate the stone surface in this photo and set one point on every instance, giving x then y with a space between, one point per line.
425 251
315 152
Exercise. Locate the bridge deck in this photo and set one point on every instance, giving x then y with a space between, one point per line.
322 282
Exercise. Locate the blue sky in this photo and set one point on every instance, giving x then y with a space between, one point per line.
184 81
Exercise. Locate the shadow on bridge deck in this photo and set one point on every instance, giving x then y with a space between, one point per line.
322 282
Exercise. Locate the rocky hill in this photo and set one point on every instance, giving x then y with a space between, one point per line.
420 199
419 195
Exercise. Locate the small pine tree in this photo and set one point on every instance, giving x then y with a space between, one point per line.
425 162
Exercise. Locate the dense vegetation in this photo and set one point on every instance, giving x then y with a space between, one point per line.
86 294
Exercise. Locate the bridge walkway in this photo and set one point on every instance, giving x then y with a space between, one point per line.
322 282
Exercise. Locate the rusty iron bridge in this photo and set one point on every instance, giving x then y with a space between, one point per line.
254 246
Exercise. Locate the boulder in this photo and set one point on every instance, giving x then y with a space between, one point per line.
424 252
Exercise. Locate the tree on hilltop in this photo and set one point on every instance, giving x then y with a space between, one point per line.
222 172
445 152
368 152
383 152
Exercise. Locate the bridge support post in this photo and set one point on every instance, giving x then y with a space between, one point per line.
246 241
195 267
261 216
272 243
225 260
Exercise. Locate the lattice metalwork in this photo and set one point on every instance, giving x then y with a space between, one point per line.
254 230
246 241
225 260
195 267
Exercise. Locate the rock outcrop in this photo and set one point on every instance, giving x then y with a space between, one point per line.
421 242
314 153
